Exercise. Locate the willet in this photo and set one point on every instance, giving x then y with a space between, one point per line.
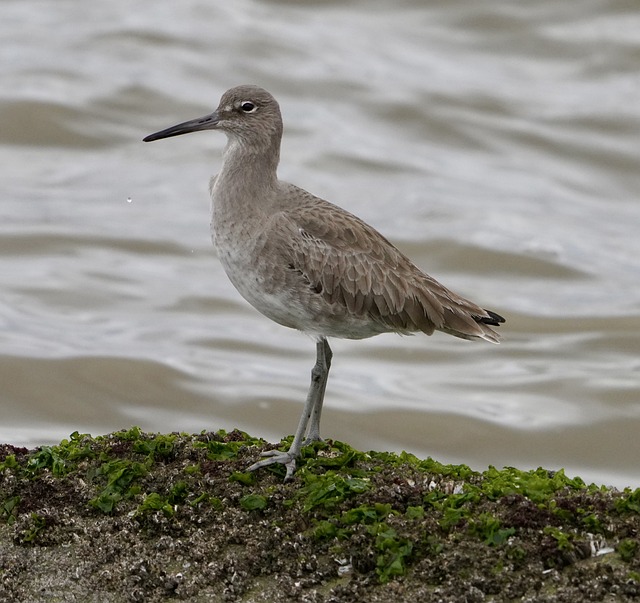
308 264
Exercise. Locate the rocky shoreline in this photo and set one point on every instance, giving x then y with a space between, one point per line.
133 516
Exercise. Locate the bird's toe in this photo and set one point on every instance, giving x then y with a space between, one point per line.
272 457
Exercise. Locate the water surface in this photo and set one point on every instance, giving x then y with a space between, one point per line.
496 144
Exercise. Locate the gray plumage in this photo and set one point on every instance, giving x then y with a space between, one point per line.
308 264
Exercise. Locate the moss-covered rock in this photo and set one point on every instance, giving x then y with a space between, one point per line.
132 516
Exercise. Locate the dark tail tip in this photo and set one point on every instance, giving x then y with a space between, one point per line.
493 319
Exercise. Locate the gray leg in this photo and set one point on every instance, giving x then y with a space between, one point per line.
321 370
311 412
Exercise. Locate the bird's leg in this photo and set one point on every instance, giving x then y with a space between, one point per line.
311 412
321 370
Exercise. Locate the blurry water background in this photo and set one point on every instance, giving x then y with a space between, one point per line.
494 142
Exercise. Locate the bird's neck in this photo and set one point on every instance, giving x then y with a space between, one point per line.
249 169
245 187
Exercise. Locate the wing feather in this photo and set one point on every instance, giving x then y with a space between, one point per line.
349 263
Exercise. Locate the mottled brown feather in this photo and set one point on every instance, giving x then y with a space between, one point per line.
350 263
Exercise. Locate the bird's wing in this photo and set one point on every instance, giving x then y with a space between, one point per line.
350 263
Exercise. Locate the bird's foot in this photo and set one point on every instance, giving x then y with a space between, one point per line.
312 439
277 456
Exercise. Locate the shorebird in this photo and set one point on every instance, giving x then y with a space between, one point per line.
308 264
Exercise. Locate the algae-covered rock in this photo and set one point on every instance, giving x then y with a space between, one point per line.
132 516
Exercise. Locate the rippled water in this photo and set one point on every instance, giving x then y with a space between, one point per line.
495 143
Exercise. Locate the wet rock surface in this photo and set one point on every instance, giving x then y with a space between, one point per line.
147 517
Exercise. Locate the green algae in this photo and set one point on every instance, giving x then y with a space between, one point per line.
153 502
120 476
627 549
629 502
390 517
328 490
254 502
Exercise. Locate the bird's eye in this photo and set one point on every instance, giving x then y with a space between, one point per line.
248 106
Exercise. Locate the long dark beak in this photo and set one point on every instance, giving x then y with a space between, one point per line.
208 122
